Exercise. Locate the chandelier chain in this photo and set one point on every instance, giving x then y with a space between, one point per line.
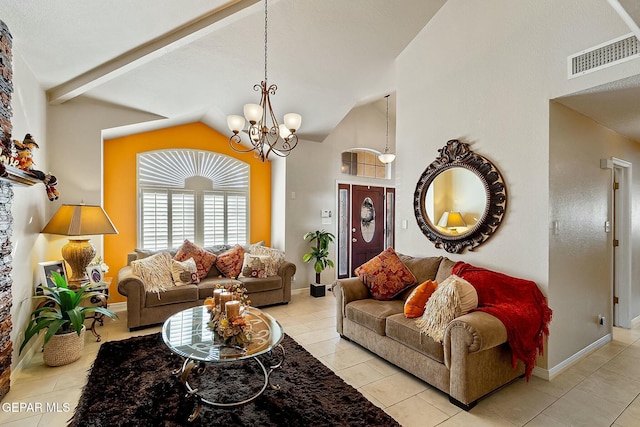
265 41
387 144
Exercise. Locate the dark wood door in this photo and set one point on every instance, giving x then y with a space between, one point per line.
367 222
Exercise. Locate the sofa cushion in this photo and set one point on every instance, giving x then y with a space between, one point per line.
230 262
372 314
254 266
453 298
414 304
172 295
184 272
154 271
260 285
204 260
385 275
208 285
444 270
274 261
406 332
424 268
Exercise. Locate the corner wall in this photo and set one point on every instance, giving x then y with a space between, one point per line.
473 75
580 268
120 184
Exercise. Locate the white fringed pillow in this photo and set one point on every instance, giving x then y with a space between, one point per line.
155 272
453 298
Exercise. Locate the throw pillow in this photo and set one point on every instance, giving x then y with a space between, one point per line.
414 305
254 266
230 262
184 272
154 271
385 275
445 304
204 260
275 258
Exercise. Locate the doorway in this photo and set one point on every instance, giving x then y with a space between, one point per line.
366 217
621 257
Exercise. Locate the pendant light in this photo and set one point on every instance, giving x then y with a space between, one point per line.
387 157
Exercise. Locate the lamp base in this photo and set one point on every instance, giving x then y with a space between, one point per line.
78 253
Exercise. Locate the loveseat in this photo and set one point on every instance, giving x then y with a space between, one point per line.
473 359
145 308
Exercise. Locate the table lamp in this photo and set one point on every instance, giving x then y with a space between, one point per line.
451 220
81 221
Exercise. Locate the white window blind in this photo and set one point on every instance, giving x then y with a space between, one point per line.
155 222
211 209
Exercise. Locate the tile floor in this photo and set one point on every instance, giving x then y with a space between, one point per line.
603 389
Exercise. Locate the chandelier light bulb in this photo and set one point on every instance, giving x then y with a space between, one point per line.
285 133
292 121
253 113
235 123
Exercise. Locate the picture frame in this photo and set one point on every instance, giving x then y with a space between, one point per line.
47 267
95 274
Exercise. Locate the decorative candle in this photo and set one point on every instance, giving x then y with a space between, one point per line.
216 297
233 309
224 297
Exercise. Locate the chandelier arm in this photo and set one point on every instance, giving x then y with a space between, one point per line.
235 142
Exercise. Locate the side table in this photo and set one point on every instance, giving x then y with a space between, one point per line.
99 300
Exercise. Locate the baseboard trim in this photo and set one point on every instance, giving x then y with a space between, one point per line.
549 374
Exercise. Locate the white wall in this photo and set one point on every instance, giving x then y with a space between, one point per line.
29 203
483 72
74 130
313 172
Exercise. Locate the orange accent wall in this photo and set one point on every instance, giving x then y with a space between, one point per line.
120 188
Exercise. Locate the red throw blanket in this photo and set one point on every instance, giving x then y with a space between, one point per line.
518 303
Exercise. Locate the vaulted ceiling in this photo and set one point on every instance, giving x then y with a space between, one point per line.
201 58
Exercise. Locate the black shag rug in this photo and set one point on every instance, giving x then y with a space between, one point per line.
131 384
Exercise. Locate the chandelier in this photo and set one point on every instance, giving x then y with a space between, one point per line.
387 157
266 136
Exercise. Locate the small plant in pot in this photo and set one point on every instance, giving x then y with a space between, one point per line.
319 252
62 316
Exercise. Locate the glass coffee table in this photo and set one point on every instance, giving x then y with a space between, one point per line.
186 334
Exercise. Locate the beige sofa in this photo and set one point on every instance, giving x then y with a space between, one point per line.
473 360
149 308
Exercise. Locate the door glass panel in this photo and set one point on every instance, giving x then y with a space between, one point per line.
388 237
343 233
367 219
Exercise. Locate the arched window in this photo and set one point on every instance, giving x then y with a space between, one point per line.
189 194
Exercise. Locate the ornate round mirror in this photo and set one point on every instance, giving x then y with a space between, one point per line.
460 198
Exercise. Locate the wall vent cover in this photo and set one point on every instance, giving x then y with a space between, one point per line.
604 55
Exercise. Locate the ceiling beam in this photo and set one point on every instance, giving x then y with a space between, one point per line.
629 11
146 52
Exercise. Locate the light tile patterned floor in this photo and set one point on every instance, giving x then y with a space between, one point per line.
601 390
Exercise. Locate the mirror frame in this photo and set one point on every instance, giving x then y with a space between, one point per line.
458 154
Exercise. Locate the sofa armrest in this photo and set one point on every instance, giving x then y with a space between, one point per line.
346 291
286 271
472 333
131 286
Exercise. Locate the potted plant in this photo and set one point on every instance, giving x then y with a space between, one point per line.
62 315
319 253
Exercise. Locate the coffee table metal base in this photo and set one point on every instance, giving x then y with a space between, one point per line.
198 367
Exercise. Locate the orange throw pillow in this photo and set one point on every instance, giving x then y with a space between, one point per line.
414 305
385 275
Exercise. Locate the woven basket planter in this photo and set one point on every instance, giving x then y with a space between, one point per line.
63 349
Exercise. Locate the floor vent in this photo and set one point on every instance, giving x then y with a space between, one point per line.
605 55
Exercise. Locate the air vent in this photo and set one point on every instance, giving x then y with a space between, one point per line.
605 55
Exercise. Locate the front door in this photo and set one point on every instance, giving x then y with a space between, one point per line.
367 223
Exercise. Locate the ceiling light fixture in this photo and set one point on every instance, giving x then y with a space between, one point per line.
264 138
387 157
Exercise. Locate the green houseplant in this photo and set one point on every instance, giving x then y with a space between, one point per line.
62 315
320 252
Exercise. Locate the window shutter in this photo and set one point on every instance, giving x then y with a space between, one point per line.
183 217
154 221
237 219
214 221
